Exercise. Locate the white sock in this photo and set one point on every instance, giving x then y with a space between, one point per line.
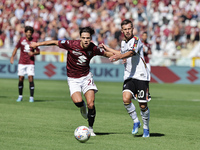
131 111
20 96
145 118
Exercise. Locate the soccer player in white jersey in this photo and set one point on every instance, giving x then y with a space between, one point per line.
136 76
26 63
80 52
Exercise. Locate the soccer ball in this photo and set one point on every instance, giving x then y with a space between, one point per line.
82 134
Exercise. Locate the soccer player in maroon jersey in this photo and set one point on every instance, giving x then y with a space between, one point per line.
146 49
80 78
26 62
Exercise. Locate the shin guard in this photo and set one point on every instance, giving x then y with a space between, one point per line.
20 87
145 118
91 116
31 86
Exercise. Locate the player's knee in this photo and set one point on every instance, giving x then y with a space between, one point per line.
90 105
143 107
30 78
21 79
126 100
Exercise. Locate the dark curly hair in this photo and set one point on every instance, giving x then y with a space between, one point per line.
29 28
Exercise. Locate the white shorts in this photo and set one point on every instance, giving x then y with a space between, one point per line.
82 84
26 69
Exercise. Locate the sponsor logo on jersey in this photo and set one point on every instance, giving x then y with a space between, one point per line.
82 60
89 53
26 48
142 74
24 42
76 53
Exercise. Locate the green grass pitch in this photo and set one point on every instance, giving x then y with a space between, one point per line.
49 122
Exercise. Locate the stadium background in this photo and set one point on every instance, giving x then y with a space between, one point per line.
173 31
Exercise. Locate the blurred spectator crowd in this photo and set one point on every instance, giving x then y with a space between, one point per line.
165 21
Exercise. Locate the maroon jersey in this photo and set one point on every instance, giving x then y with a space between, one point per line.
78 59
146 49
23 44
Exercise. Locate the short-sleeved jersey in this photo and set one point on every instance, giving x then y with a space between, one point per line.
78 59
146 49
23 44
135 66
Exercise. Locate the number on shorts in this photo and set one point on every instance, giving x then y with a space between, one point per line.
90 81
140 93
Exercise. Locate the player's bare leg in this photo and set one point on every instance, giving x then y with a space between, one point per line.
145 113
20 88
78 101
31 87
127 96
90 96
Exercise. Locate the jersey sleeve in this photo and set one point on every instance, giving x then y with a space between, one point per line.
18 44
37 49
136 44
64 44
98 51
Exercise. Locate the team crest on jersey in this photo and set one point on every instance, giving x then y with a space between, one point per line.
89 53
63 41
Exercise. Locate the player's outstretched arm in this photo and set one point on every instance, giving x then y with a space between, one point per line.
108 49
108 54
45 43
121 56
13 55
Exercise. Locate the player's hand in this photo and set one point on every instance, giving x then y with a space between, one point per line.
33 45
124 61
30 53
114 58
11 60
103 46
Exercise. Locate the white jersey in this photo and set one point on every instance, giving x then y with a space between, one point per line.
135 66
